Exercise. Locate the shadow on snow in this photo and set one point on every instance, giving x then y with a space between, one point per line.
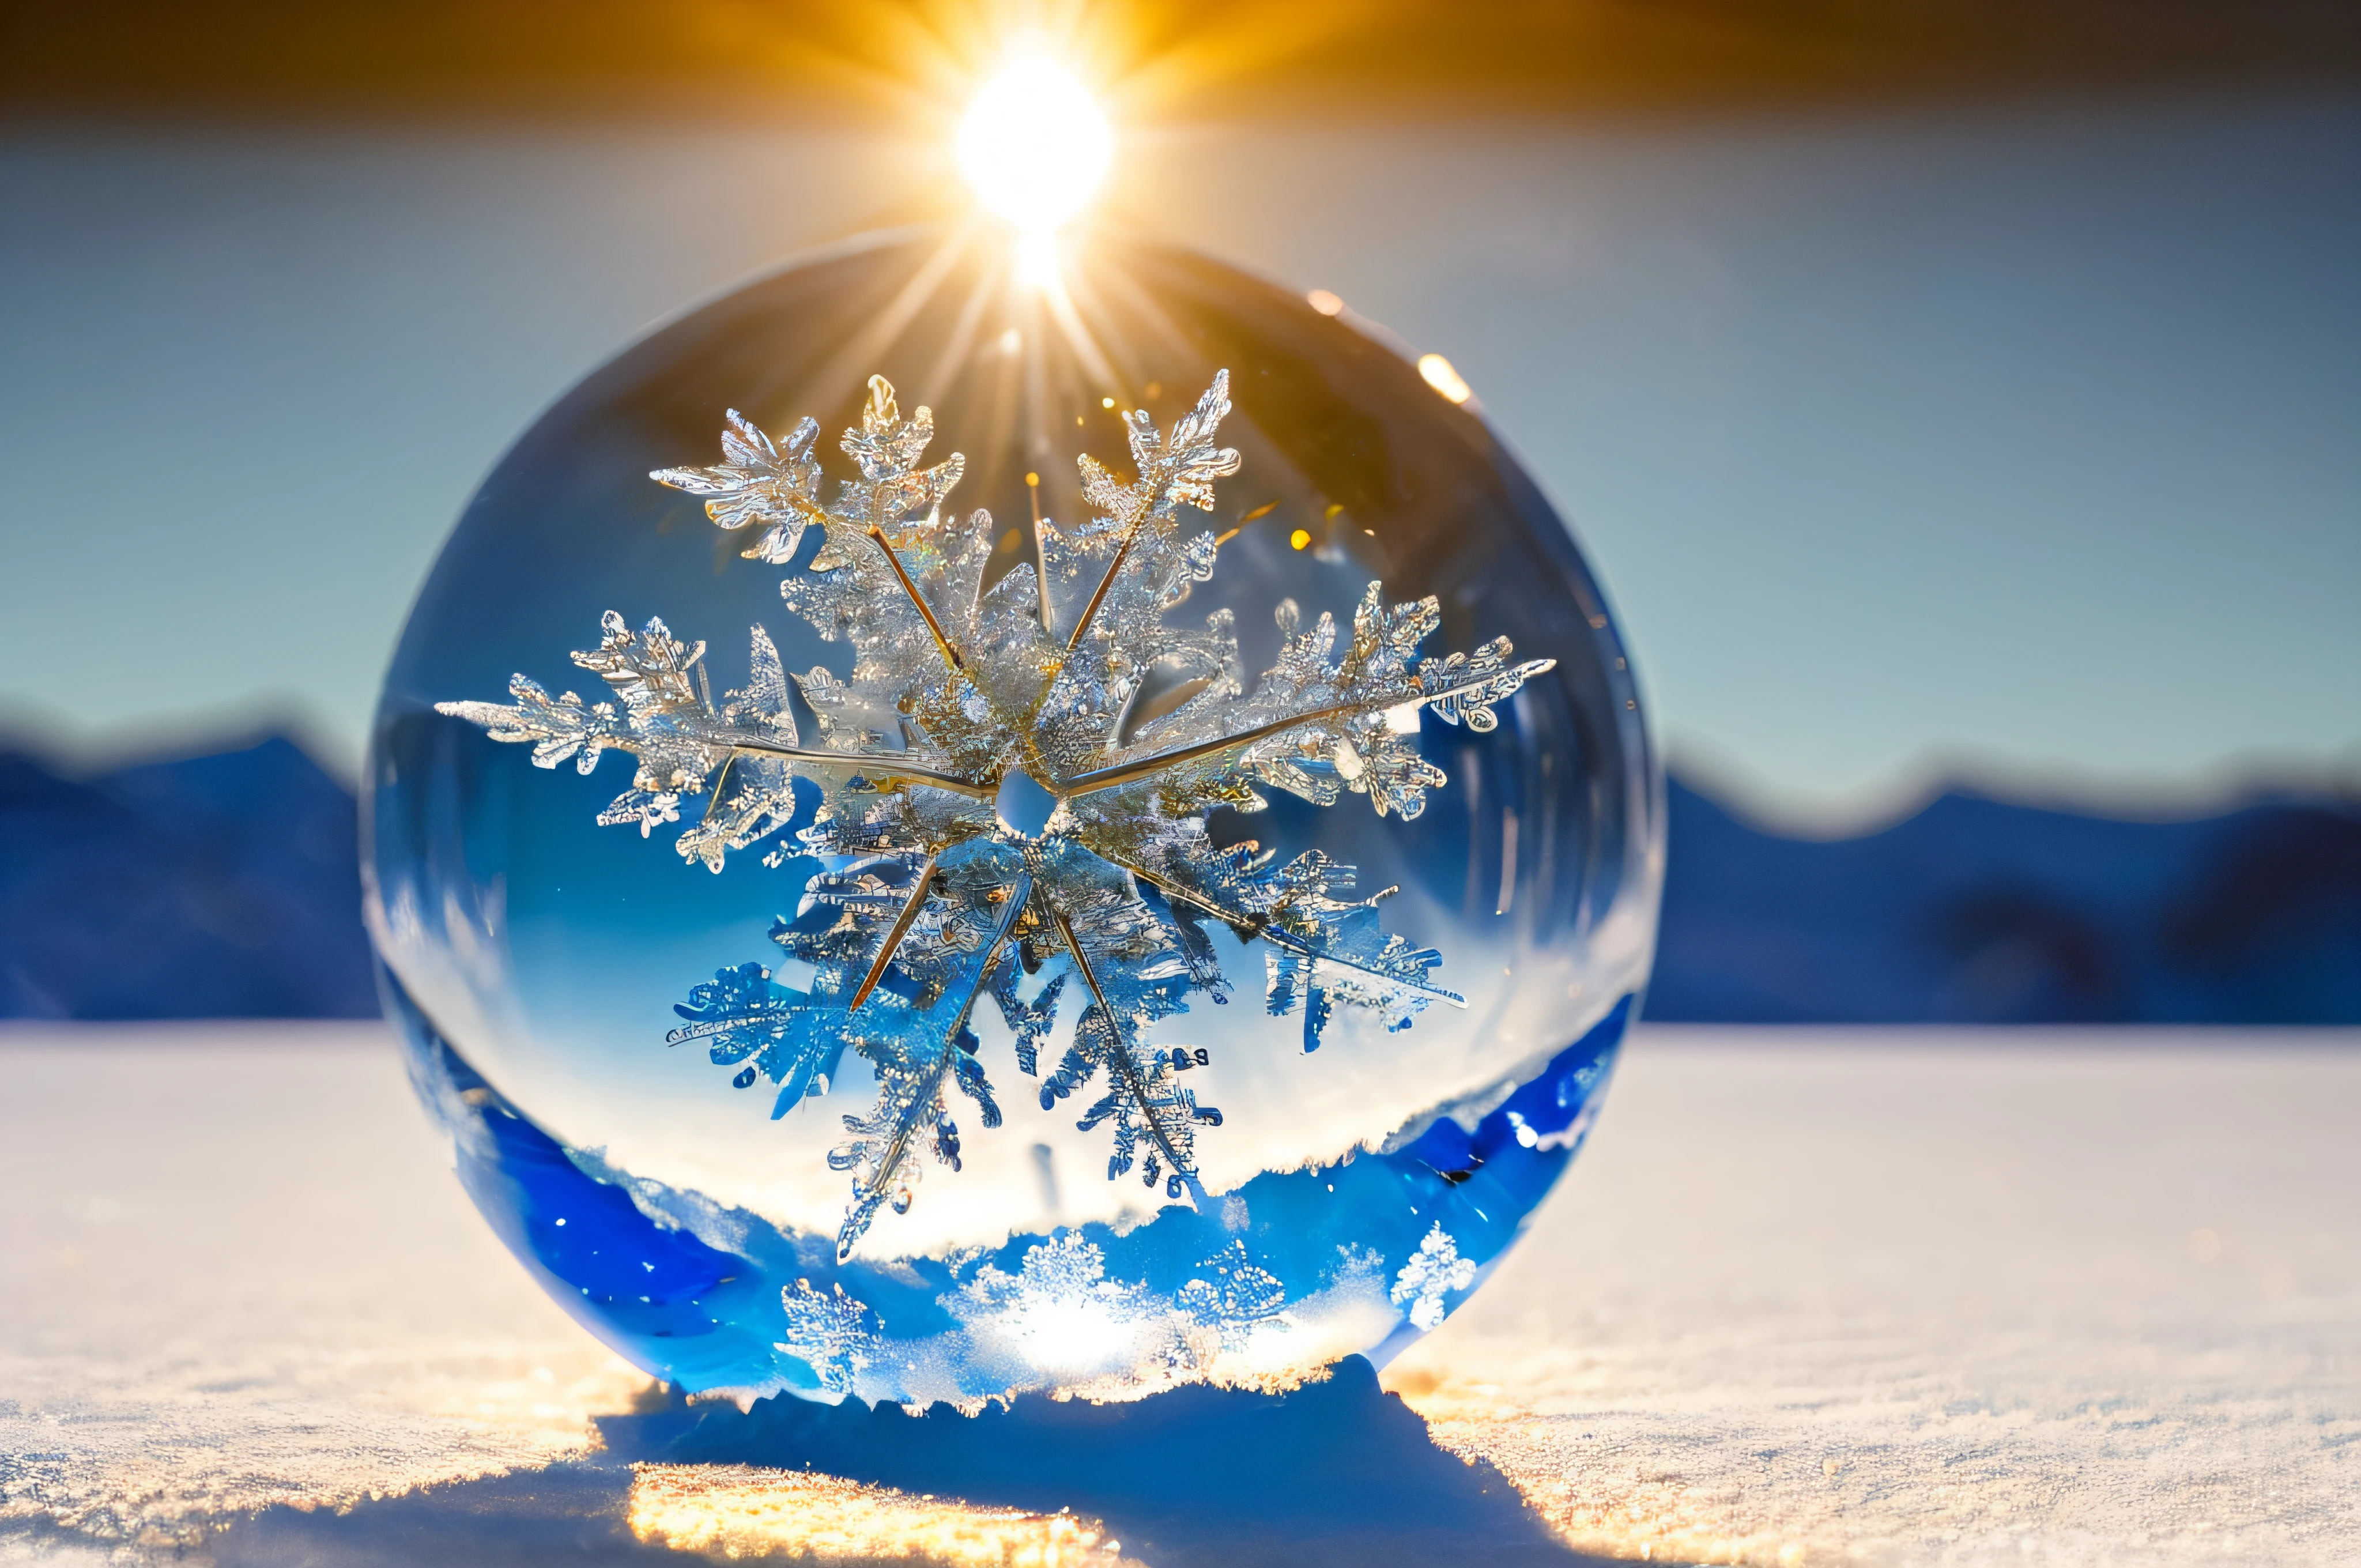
1334 1472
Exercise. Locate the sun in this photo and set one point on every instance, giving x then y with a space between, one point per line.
1034 145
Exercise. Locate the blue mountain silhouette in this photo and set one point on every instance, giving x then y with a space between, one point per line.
218 886
1983 910
224 886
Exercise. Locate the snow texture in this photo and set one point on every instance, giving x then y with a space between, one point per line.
1951 1299
234 1271
1941 1297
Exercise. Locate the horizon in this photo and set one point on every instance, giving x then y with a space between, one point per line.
2005 442
2259 782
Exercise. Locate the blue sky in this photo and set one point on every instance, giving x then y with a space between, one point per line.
2025 443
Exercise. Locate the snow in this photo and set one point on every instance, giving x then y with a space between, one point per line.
1938 1298
234 1270
1809 1296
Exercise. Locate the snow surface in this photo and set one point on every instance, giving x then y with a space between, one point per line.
1810 1297
235 1270
1999 1297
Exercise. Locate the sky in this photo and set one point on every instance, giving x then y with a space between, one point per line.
2020 443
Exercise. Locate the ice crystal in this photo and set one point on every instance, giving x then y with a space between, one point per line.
1059 1321
1433 1271
1240 1295
829 1333
988 801
1060 1293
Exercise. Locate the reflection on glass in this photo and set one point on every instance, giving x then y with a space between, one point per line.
1058 956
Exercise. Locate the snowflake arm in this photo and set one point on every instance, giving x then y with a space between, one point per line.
886 449
758 483
1177 470
557 727
668 720
1142 1098
1317 729
1464 687
921 889
915 1064
1322 948
746 1013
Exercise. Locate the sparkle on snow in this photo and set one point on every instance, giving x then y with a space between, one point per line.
965 706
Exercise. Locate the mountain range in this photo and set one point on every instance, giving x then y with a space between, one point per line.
218 886
1976 910
225 885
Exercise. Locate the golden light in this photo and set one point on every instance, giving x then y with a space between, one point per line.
738 1511
1438 374
1035 145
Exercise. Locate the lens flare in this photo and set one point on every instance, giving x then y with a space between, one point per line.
1034 145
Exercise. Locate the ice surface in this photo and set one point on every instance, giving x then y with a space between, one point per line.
1956 1300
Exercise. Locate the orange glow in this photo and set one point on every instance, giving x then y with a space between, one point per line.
1438 374
738 1510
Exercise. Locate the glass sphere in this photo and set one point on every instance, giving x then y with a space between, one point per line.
999 995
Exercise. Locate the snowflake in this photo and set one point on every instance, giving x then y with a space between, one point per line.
1435 1270
1012 774
829 1331
1240 1296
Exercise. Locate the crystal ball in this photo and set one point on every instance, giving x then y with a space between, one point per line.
938 832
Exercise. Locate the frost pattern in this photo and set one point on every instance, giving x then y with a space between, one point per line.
1060 1313
1054 1320
938 887
1240 1296
1433 1270
829 1331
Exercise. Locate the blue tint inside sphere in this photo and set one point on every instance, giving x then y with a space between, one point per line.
1373 1159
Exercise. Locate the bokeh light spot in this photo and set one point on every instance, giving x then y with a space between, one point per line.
1440 376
